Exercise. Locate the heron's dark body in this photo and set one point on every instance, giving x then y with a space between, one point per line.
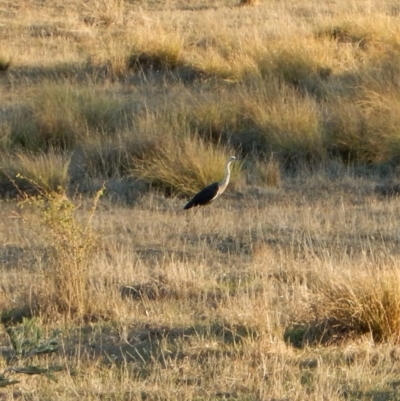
213 191
204 197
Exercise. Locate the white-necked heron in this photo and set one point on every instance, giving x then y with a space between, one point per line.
213 191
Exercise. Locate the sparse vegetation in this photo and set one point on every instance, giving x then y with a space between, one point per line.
27 341
284 289
63 289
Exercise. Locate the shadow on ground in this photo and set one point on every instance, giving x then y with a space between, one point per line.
147 345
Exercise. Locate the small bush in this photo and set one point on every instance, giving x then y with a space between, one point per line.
64 289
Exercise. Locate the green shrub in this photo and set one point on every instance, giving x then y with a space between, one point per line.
27 340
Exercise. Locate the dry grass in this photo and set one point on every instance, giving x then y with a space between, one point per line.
190 294
183 165
60 116
28 172
366 130
248 2
360 302
63 289
287 290
4 64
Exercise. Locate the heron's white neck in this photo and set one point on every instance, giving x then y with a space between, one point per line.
224 183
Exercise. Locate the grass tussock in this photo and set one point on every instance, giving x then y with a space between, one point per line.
111 159
264 118
31 172
183 165
351 304
164 53
287 124
219 63
366 131
363 33
62 116
289 64
348 32
267 172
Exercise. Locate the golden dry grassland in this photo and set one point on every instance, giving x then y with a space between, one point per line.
113 113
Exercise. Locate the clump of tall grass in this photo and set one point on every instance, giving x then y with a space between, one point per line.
57 118
106 160
282 122
362 32
183 165
347 32
291 66
29 172
354 303
165 52
365 130
212 62
264 118
216 118
5 135
303 63
266 172
382 71
63 115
